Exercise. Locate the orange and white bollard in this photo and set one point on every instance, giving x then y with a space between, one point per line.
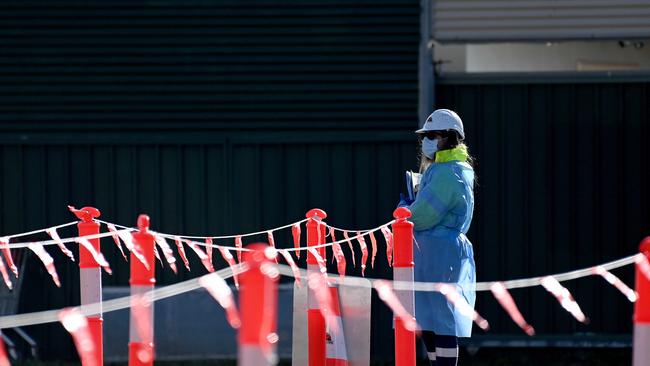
642 312
315 321
337 354
90 277
403 272
258 301
143 279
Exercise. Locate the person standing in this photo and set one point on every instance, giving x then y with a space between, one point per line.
442 213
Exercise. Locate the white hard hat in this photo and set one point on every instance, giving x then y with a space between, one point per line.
443 120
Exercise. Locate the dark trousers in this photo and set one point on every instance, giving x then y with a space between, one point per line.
441 349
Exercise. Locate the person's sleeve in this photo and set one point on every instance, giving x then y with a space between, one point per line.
434 201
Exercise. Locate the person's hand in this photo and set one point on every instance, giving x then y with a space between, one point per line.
404 201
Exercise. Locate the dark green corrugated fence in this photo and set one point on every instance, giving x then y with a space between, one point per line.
563 177
211 116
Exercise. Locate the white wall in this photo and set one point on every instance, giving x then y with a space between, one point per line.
520 57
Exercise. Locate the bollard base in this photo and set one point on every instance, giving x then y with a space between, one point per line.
641 341
141 354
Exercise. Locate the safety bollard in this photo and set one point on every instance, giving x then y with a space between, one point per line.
642 313
258 301
315 320
90 277
141 346
403 272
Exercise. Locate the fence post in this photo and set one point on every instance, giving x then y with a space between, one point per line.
315 320
143 279
90 277
642 313
258 303
403 271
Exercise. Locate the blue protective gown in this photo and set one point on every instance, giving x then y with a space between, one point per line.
442 213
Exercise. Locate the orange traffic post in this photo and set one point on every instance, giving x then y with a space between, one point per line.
315 321
403 272
90 277
143 279
642 312
258 301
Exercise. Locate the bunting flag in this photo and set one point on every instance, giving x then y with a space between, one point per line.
227 256
386 294
5 275
6 252
77 325
181 251
463 307
127 239
347 239
373 243
269 235
564 297
295 231
364 252
340 258
502 295
201 254
55 236
208 248
388 237
48 262
98 257
616 282
167 252
116 239
238 245
292 264
220 291
322 266
157 255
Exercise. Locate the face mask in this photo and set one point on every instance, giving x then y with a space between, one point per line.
429 147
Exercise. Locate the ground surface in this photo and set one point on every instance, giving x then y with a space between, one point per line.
484 357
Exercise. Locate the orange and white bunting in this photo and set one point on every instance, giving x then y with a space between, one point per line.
292 264
373 244
347 239
98 257
616 282
77 325
238 245
55 236
167 252
564 297
295 231
6 252
463 307
388 236
208 248
127 239
47 260
116 239
269 235
502 295
221 292
201 254
339 256
5 274
227 256
387 295
157 255
364 252
181 251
